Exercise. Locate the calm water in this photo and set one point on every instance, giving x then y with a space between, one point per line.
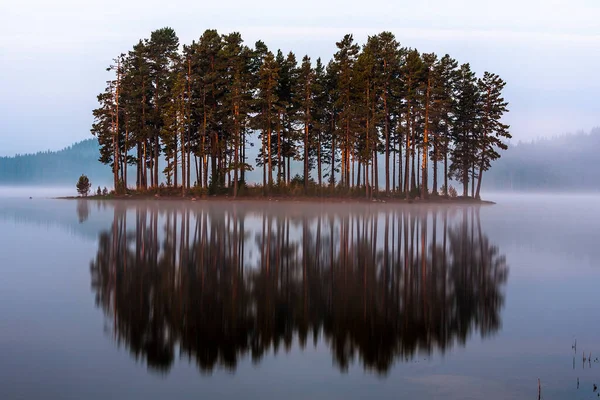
255 300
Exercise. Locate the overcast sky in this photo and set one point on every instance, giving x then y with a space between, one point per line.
53 54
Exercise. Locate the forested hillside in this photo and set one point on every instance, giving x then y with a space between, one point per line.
564 163
55 167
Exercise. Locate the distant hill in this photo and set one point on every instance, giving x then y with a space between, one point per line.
564 163
61 167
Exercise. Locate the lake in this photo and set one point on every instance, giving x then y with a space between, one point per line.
299 300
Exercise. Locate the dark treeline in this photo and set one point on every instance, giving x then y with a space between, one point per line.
562 163
54 167
222 282
202 105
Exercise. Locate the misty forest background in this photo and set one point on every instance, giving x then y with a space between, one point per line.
222 114
562 163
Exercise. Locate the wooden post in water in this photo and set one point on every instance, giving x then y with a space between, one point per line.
539 389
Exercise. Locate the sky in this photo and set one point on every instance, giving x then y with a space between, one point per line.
54 54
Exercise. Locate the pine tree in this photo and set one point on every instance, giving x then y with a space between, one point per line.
287 134
345 101
237 99
267 113
83 185
387 53
464 153
208 84
104 127
137 101
367 140
162 52
210 98
320 119
445 74
173 128
491 130
412 71
306 92
331 131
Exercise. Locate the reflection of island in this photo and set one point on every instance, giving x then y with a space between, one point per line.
219 282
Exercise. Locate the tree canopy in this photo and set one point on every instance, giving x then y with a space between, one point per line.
203 105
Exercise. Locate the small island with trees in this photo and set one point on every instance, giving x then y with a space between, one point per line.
418 119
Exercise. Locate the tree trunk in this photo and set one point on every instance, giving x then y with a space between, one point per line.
393 169
319 161
264 162
413 170
366 180
352 173
400 164
376 171
418 173
387 141
156 147
477 194
279 147
138 166
435 166
465 179
236 149
407 153
424 167
306 151
446 170
243 150
145 166
289 170
198 171
332 174
183 162
205 165
473 180
175 156
269 160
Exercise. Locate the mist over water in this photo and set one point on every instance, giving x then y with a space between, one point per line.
251 299
36 191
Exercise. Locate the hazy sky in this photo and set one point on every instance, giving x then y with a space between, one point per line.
53 54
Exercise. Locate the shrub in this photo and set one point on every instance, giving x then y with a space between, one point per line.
297 180
105 191
83 185
120 186
452 192
99 191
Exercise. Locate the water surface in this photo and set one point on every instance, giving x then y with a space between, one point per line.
271 299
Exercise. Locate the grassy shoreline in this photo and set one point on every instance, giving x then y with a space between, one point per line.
283 198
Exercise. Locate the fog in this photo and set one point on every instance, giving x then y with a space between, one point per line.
36 191
58 50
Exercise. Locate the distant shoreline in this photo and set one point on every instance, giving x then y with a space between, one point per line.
280 198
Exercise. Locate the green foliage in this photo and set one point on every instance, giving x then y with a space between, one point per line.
452 192
297 180
216 185
83 185
197 111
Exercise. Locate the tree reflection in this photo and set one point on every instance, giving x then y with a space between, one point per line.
222 281
83 210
